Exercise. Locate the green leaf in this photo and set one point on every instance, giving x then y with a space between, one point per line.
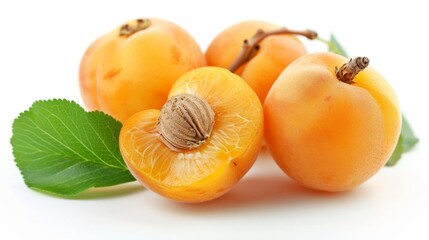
335 46
407 140
62 149
397 153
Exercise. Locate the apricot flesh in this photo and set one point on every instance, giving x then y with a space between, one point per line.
327 134
213 168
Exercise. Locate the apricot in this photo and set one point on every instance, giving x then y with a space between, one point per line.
331 123
133 67
268 59
203 140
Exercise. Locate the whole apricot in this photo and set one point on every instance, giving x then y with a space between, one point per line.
133 67
331 123
203 140
268 57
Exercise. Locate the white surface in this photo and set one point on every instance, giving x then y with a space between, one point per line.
41 45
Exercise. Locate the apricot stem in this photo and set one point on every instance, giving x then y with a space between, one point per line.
349 70
251 45
127 29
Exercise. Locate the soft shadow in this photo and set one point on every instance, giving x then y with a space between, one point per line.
264 192
109 192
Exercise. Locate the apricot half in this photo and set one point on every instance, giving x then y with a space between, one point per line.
273 53
328 133
203 140
133 67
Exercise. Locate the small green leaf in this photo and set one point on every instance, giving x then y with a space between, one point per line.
62 149
335 46
397 153
407 140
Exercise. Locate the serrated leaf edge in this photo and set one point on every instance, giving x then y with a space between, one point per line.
21 114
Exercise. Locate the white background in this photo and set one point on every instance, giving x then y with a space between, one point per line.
41 44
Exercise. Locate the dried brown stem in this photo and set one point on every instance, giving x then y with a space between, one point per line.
129 29
251 45
348 71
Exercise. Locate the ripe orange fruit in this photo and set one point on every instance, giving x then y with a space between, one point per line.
330 134
274 53
203 140
133 67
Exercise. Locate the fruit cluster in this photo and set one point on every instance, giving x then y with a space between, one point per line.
194 122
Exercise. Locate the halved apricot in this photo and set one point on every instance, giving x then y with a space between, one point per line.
203 140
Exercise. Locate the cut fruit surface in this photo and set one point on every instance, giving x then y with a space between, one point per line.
211 169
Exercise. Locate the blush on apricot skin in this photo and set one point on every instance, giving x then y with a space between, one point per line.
133 67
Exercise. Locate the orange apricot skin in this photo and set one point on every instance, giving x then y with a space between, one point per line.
123 75
275 54
326 134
